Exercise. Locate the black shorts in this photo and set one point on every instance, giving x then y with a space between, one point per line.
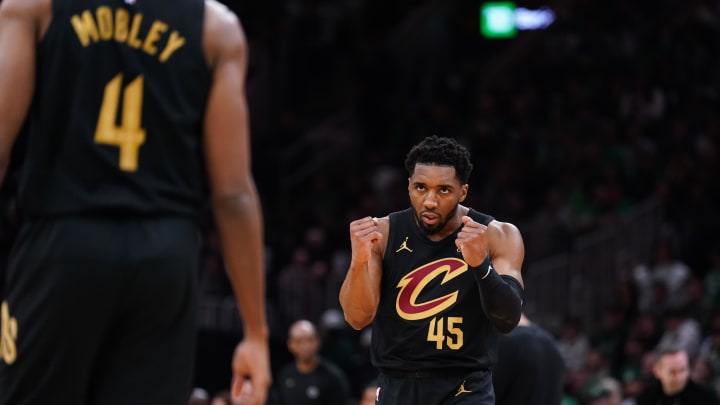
435 388
99 311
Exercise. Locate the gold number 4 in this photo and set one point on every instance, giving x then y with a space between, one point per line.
436 333
129 136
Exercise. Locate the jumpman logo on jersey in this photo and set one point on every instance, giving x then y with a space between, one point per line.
462 389
404 246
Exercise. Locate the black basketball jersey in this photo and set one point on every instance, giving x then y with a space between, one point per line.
116 120
430 315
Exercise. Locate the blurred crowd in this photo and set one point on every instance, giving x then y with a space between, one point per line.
571 127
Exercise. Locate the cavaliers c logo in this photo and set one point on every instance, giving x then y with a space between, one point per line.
413 283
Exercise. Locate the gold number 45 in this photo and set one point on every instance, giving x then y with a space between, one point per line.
128 136
436 333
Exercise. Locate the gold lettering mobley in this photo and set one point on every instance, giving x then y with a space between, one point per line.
404 246
8 335
462 389
106 24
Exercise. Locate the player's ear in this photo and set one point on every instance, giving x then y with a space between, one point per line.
656 371
463 192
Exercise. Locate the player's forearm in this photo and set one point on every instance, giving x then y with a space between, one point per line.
17 72
239 222
358 298
501 297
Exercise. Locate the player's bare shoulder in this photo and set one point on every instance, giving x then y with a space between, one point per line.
36 12
503 229
505 238
223 35
26 6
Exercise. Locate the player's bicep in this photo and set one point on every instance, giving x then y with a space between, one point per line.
227 143
508 250
226 140
18 30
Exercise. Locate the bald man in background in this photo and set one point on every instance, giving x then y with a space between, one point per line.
309 379
673 385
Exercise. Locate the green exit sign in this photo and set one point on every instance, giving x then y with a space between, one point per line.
497 20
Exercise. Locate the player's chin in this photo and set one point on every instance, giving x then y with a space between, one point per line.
431 229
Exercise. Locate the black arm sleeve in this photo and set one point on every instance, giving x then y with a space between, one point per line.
501 297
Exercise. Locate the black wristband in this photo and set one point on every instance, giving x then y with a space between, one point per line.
489 283
485 272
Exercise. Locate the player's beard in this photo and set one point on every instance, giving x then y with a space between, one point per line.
432 230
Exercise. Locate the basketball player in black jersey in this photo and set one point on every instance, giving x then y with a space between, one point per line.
438 282
133 107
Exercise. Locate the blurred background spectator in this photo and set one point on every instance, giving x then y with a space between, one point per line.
310 379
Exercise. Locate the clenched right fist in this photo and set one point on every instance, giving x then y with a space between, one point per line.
363 234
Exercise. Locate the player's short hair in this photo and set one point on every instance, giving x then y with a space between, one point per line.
441 151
